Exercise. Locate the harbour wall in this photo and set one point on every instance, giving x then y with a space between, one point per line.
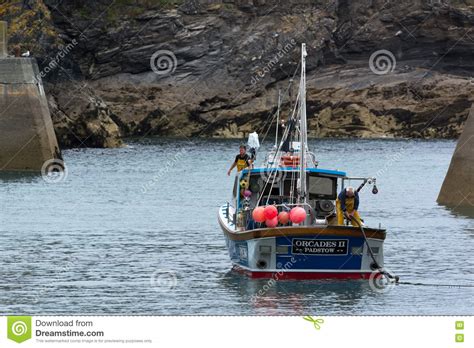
458 186
27 138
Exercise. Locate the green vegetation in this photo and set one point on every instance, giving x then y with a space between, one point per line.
29 29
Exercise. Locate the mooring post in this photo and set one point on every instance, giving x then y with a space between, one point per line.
3 39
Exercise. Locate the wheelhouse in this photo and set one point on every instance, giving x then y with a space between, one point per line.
278 186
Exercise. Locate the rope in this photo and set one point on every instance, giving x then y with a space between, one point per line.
438 285
371 253
395 278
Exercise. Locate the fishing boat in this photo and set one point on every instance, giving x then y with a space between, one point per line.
300 237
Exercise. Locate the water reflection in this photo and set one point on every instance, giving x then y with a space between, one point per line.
289 297
20 177
461 211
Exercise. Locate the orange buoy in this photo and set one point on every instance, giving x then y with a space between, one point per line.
258 214
283 217
272 222
297 215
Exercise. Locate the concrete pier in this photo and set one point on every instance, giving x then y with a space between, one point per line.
3 39
458 186
27 138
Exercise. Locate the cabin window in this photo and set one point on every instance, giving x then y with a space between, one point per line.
320 187
271 191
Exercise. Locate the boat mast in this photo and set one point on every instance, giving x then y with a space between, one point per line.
278 121
303 131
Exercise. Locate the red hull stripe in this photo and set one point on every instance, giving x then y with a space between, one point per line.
304 275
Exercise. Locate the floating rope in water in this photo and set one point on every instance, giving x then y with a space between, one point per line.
438 285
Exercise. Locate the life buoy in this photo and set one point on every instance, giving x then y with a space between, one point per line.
290 161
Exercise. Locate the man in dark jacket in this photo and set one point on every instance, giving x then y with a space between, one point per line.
347 204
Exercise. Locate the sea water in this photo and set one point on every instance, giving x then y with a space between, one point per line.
134 231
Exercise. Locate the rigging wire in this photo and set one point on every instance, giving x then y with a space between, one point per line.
273 115
285 134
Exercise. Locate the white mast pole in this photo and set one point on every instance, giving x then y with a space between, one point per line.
278 121
303 196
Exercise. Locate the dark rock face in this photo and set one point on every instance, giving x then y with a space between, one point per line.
213 68
80 118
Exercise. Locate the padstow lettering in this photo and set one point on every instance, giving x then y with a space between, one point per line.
320 246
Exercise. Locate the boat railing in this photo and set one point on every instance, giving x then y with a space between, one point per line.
227 211
293 205
313 158
288 206
227 215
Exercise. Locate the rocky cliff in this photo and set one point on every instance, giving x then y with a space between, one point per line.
376 68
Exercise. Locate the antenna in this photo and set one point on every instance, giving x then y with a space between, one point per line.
303 131
278 119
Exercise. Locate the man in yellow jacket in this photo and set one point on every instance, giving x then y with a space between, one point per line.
242 160
347 204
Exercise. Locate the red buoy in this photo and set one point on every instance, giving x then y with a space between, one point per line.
270 212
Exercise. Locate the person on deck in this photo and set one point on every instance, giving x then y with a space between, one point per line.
242 160
347 204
